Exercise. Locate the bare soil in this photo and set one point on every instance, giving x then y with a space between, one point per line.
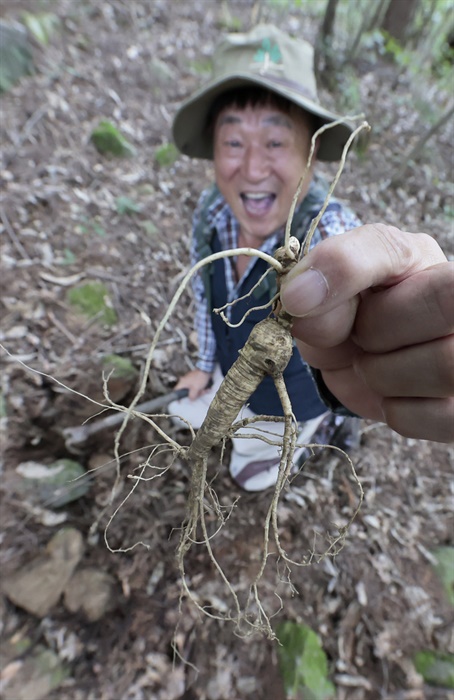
375 604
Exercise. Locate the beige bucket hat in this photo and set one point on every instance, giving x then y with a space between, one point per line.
268 57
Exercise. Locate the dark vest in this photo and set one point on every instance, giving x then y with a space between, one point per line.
265 400
300 385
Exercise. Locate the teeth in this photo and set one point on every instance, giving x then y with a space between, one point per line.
256 195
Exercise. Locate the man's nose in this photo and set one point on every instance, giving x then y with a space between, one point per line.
255 163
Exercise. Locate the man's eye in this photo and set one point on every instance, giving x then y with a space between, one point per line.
275 144
232 143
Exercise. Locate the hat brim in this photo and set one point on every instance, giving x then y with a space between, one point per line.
192 137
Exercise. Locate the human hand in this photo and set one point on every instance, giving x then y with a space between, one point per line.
374 313
196 381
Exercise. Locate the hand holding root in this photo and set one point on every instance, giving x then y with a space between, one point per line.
375 315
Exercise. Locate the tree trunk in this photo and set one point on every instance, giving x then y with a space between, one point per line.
377 18
371 18
323 58
398 18
419 145
328 21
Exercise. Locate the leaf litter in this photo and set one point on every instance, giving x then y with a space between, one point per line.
60 197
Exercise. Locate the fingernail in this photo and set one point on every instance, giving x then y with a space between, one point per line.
304 292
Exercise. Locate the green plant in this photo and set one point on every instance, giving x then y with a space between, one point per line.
109 141
436 668
91 226
42 26
303 663
120 367
201 67
150 228
445 570
68 257
126 205
227 21
91 299
166 155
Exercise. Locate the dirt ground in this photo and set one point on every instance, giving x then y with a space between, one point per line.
376 603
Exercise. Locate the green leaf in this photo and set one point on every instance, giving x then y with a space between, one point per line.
120 367
445 570
109 141
68 257
166 155
3 413
303 663
88 226
91 299
227 20
41 26
201 66
150 228
436 668
125 205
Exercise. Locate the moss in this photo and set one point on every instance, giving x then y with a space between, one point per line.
166 155
120 367
90 299
109 141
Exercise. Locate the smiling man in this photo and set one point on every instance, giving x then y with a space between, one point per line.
255 119
259 156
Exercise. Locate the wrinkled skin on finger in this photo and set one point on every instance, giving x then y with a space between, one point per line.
374 313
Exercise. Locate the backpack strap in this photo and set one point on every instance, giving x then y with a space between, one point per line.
203 233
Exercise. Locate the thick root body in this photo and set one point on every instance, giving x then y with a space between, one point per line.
267 351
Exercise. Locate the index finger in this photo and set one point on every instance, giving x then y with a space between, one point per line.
342 267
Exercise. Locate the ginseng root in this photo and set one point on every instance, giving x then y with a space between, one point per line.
267 352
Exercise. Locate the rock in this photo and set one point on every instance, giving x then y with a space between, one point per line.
55 484
17 60
92 592
34 677
38 585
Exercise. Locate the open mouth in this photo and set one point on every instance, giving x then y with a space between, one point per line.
257 203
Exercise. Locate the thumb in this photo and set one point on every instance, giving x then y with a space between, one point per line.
341 267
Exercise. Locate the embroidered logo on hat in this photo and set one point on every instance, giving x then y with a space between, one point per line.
268 53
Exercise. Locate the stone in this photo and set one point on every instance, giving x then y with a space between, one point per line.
33 677
90 591
39 584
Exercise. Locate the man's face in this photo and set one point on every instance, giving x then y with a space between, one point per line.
260 154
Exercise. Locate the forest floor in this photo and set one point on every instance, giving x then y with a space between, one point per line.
64 223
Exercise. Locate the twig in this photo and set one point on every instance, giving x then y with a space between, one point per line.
316 221
419 145
321 130
14 239
58 324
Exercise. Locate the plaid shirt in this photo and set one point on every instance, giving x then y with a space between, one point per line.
220 217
